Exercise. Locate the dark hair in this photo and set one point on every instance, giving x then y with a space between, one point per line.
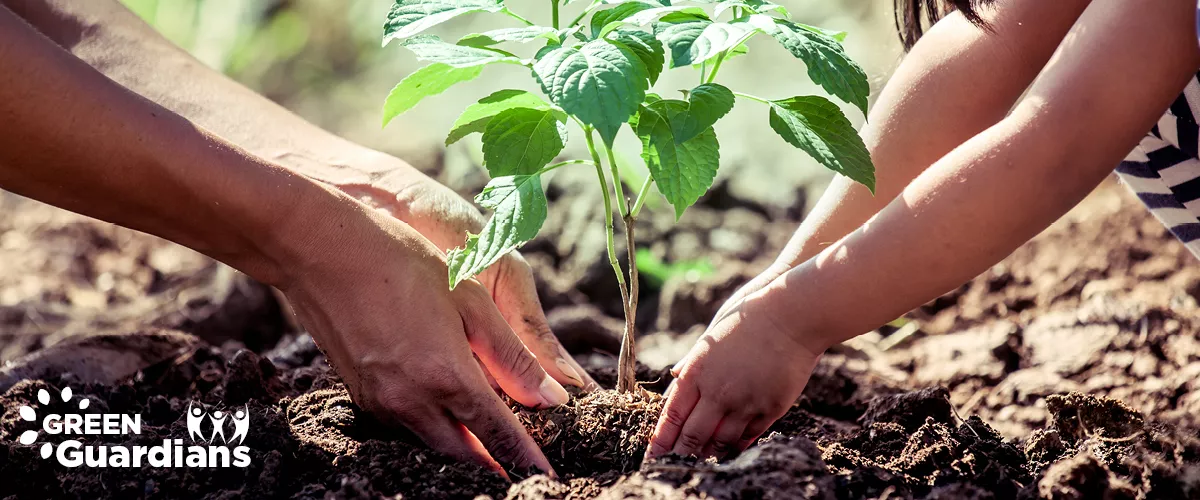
913 15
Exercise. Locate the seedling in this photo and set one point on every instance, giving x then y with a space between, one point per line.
596 71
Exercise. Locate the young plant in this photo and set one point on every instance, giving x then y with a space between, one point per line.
596 70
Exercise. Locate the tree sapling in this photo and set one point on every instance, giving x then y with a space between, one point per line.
596 70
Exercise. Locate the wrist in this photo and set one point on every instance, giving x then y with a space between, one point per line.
255 215
792 314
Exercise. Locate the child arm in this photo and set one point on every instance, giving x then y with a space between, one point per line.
1112 77
1118 68
957 81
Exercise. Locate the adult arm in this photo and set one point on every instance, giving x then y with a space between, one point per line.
117 43
1113 75
359 280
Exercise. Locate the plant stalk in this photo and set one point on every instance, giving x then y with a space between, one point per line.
717 66
641 197
554 12
583 14
626 361
723 55
518 17
618 186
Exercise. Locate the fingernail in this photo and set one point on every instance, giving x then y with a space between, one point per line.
552 392
569 371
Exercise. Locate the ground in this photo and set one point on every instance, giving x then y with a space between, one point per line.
1069 370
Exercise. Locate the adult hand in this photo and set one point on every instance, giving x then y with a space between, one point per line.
372 293
445 218
739 378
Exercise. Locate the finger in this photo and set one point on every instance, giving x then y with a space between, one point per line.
589 383
498 429
519 305
698 429
488 375
452 438
677 368
509 361
753 431
670 389
728 434
675 412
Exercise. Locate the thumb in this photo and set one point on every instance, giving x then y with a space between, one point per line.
516 297
502 353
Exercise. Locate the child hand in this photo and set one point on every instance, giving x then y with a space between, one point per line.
739 378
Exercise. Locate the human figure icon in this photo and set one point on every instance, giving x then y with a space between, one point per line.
241 424
218 421
195 415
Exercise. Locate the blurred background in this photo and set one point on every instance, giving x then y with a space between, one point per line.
323 60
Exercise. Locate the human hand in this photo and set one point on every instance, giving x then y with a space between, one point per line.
372 292
739 378
445 218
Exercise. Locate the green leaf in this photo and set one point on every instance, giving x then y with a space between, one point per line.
521 141
648 15
432 48
476 117
756 6
636 12
694 39
706 104
599 82
524 34
828 64
740 50
429 80
606 20
409 17
683 172
836 35
520 210
647 48
817 126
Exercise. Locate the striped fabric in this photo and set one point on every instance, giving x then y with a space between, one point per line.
1164 170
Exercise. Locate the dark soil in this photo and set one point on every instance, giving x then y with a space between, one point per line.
1071 370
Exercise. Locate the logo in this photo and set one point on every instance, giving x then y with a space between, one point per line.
239 420
204 451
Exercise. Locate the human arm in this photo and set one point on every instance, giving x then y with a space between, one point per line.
113 40
75 139
1112 76
957 81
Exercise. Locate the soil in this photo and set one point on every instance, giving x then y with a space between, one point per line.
1070 370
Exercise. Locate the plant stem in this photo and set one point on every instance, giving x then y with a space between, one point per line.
717 66
641 197
626 371
627 360
724 54
618 186
608 218
554 13
583 14
561 164
518 17
751 97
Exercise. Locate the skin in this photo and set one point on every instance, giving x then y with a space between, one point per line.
963 181
153 140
